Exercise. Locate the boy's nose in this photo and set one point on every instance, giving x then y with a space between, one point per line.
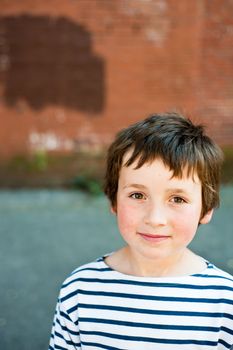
156 215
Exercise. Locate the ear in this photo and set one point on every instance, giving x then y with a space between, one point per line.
207 217
113 209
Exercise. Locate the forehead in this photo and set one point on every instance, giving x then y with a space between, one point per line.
157 166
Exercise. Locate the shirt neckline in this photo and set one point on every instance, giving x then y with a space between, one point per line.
147 278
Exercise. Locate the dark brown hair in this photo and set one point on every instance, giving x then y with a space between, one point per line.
178 142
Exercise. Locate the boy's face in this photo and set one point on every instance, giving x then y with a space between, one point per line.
158 215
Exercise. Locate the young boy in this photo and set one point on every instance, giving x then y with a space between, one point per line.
162 181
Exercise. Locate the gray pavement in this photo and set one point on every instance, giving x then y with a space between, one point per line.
46 234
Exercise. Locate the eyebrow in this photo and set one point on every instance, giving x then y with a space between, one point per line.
169 190
177 190
139 186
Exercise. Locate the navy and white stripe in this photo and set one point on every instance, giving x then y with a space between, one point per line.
99 308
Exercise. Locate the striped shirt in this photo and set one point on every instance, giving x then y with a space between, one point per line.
99 308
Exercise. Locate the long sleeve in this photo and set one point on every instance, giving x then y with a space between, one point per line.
65 333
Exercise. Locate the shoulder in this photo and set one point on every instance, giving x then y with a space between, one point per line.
76 283
219 277
84 274
218 272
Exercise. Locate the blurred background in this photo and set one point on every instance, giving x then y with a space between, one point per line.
72 73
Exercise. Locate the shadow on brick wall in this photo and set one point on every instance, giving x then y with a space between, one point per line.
48 61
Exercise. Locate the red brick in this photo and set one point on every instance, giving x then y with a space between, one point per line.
81 70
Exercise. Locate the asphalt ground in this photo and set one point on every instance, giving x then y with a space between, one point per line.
46 234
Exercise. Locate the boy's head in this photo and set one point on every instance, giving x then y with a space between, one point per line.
181 145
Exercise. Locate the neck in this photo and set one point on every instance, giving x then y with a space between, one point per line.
183 263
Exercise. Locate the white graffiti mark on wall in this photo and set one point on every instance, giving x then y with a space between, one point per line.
49 141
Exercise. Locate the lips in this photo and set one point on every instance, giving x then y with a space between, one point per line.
153 238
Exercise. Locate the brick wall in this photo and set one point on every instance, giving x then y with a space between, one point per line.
73 72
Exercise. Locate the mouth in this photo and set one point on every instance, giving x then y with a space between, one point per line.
153 238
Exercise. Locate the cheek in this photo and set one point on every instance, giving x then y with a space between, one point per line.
186 224
126 218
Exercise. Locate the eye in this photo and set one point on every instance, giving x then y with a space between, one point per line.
178 200
137 195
